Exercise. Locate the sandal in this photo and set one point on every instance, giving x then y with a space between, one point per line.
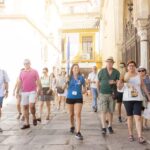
131 138
141 140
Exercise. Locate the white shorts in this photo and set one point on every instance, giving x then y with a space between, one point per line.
28 97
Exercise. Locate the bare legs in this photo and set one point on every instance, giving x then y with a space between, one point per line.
75 110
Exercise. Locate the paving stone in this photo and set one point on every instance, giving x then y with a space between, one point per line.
90 147
4 147
58 147
91 140
91 132
42 132
16 132
57 126
51 139
27 147
17 140
2 137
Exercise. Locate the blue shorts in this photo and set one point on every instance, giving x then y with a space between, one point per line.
133 107
1 101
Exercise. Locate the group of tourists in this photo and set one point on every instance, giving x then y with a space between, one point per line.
127 84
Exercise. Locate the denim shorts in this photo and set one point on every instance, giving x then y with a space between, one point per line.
1 101
133 107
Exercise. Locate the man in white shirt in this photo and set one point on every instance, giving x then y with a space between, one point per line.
3 88
92 79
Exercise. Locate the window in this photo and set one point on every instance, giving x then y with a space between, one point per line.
87 47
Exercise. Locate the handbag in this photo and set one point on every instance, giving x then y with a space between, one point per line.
60 90
50 92
114 93
47 93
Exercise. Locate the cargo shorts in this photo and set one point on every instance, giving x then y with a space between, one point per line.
106 103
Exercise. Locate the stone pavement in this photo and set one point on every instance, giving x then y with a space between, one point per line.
54 134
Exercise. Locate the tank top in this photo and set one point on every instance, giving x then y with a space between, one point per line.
133 84
45 81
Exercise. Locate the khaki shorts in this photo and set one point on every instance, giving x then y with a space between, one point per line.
28 97
107 104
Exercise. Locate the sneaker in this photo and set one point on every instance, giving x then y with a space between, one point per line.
72 129
25 127
38 119
79 136
110 130
119 119
94 109
103 131
34 122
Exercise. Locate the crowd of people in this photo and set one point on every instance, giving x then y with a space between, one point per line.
128 84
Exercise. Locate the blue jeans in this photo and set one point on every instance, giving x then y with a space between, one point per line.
1 101
94 96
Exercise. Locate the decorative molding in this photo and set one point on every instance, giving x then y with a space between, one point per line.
143 34
142 22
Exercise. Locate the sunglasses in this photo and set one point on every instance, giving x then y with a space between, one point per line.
141 71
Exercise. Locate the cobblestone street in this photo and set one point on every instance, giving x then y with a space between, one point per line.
55 135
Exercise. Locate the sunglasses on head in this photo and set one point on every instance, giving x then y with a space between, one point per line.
141 71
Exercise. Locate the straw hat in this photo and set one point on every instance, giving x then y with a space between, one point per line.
110 59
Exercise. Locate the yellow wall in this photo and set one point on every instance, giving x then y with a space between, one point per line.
77 49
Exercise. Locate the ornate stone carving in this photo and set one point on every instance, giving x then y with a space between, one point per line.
142 28
143 34
142 23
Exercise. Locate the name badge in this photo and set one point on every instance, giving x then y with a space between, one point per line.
74 92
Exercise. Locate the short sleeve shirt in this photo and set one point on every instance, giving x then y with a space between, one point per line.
75 88
93 77
3 78
104 77
28 80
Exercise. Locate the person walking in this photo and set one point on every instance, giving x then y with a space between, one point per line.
61 90
106 84
132 99
4 84
29 84
46 93
76 89
18 98
146 79
92 79
122 70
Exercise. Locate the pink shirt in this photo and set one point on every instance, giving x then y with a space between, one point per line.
28 80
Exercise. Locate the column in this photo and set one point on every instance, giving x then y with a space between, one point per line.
142 32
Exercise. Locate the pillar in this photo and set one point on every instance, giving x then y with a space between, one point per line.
142 32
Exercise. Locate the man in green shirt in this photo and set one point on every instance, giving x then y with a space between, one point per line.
107 78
